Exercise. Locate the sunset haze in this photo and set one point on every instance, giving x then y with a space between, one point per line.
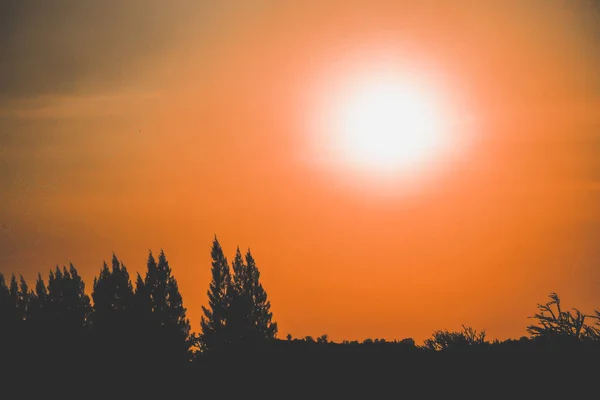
129 126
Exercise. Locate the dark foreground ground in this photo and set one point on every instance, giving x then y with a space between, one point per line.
319 373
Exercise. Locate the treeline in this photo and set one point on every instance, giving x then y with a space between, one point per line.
142 323
139 323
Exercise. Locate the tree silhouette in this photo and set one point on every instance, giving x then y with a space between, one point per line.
558 325
112 316
261 315
468 338
239 324
39 320
67 309
213 334
37 312
24 297
157 299
9 303
68 303
9 315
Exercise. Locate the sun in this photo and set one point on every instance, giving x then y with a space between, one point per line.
380 120
388 125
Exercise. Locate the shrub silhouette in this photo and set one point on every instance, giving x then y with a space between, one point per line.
446 340
556 324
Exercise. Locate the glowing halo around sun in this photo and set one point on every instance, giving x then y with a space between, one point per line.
386 123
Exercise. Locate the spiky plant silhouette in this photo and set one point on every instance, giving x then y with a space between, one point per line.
555 323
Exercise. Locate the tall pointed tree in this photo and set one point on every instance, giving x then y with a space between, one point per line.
159 298
113 296
24 296
111 317
69 307
262 317
239 324
173 320
9 322
39 304
213 335
8 306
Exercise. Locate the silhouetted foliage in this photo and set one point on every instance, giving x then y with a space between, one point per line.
239 313
112 318
159 302
144 329
261 315
562 326
468 338
213 334
69 305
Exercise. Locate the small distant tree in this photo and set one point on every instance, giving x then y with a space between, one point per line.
446 340
323 339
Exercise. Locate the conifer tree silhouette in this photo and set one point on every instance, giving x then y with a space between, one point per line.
70 305
249 319
112 316
68 310
262 317
24 297
38 319
239 324
7 323
9 316
213 334
159 302
173 320
37 311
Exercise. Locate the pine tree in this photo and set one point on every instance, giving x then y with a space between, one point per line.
38 319
38 304
173 321
13 299
112 294
24 297
159 298
239 324
8 309
112 314
262 317
8 323
213 335
69 307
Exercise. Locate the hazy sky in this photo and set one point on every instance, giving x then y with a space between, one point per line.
225 93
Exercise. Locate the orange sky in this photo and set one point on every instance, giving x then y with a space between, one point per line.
225 96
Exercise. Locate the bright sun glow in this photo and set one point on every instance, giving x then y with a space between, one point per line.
385 121
388 125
